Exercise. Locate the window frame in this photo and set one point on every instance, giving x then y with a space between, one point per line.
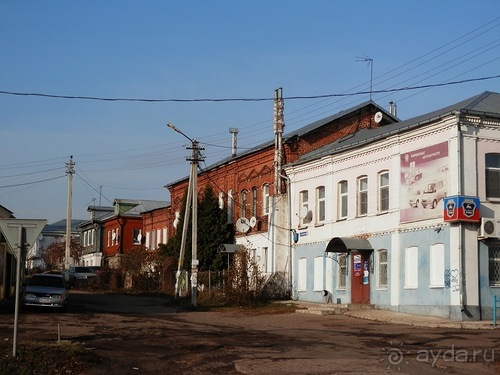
382 269
243 203
253 205
320 205
383 192
494 265
303 203
343 199
342 269
230 206
492 176
362 196
265 199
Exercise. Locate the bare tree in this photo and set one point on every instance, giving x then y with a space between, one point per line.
56 251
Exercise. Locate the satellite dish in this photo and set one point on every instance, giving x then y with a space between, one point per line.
378 117
243 225
303 212
253 221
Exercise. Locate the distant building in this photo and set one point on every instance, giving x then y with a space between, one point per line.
91 234
55 232
123 230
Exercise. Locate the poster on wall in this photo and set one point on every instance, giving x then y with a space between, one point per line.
424 182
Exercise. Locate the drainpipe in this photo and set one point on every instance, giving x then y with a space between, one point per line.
461 257
290 231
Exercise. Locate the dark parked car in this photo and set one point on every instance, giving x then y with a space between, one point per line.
46 290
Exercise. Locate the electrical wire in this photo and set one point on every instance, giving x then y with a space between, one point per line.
246 99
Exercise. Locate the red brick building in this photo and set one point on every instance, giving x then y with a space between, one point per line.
123 230
245 183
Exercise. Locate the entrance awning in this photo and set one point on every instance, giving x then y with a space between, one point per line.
345 244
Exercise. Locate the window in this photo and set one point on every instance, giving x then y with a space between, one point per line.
342 271
362 207
153 240
165 235
436 264
302 275
230 206
492 175
320 204
221 200
318 273
411 267
137 238
304 207
382 269
265 260
265 199
494 265
383 191
342 197
253 207
243 203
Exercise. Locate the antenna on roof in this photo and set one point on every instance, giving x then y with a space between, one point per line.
369 61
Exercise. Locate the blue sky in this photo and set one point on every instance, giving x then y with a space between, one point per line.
207 50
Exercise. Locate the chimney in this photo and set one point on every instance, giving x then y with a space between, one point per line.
234 136
393 109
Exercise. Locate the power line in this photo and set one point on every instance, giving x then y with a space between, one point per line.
245 99
31 183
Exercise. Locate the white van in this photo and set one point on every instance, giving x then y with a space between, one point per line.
434 192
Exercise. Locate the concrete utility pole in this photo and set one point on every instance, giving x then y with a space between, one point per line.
279 125
192 199
69 172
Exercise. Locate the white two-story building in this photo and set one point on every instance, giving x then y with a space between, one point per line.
404 216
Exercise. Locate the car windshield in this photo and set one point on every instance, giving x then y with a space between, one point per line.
83 270
56 282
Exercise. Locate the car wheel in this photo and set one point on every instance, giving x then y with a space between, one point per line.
434 203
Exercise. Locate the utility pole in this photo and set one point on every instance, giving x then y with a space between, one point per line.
192 199
69 172
279 125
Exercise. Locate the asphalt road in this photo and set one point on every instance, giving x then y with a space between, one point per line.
144 335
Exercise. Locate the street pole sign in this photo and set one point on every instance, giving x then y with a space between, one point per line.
10 230
19 233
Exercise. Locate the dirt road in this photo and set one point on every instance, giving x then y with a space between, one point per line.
143 335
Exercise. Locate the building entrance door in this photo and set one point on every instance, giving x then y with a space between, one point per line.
360 276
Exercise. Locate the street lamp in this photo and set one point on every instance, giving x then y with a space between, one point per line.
192 198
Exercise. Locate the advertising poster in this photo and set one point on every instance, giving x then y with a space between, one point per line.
424 180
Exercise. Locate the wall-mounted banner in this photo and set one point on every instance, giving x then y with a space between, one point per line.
461 208
424 182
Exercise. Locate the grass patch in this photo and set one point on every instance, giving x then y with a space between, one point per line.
33 358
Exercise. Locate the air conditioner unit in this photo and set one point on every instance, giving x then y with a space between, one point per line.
489 228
